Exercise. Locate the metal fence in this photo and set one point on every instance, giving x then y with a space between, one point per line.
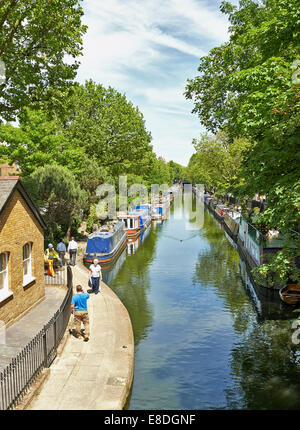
60 277
40 352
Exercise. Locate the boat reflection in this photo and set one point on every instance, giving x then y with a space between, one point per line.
133 244
110 272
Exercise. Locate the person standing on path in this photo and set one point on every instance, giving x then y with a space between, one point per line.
96 276
72 250
80 310
50 255
61 248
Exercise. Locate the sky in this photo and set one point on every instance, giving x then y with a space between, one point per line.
147 49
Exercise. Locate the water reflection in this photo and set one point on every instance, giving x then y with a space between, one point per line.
133 244
132 282
205 336
264 359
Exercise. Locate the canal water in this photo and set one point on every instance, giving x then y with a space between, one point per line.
204 337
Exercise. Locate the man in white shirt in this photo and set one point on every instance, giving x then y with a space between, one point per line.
96 276
72 250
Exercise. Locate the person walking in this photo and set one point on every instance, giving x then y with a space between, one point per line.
72 250
61 248
80 311
95 276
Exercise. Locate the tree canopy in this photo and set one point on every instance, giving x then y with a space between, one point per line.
58 195
246 88
107 125
39 43
98 125
249 88
217 161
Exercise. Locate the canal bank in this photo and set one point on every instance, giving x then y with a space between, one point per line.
93 375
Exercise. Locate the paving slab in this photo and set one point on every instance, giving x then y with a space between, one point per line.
96 374
18 335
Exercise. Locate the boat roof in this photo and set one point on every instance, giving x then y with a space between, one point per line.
102 233
131 215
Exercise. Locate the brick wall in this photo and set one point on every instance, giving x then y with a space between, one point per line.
7 170
18 226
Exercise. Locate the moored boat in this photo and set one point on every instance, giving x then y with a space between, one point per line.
106 243
157 211
232 222
290 294
135 221
221 210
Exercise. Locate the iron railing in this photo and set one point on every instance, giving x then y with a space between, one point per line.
39 353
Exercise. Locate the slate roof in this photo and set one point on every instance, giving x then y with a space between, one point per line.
8 185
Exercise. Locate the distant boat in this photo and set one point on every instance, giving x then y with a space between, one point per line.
222 210
232 222
136 221
290 294
157 211
106 243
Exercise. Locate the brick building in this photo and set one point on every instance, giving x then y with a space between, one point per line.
7 169
21 251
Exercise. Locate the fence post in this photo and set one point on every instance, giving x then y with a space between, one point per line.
45 349
69 277
54 332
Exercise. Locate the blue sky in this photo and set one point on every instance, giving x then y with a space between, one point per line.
147 49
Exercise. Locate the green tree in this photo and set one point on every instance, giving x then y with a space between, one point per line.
36 38
217 162
108 126
59 197
40 140
37 141
176 171
247 87
160 172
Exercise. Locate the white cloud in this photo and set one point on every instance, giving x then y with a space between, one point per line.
148 49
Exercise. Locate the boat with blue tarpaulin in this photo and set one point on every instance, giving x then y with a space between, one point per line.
106 243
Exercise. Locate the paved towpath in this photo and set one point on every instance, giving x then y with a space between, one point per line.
96 374
21 333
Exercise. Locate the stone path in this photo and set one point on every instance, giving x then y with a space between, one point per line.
96 374
20 334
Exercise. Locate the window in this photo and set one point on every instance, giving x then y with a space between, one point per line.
27 275
3 272
4 291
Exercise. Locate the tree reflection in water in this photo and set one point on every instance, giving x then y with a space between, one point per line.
264 359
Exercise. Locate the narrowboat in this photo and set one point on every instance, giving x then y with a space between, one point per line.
290 294
143 206
157 211
232 223
221 210
135 221
256 246
106 243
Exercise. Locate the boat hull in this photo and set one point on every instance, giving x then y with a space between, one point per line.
290 294
135 232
